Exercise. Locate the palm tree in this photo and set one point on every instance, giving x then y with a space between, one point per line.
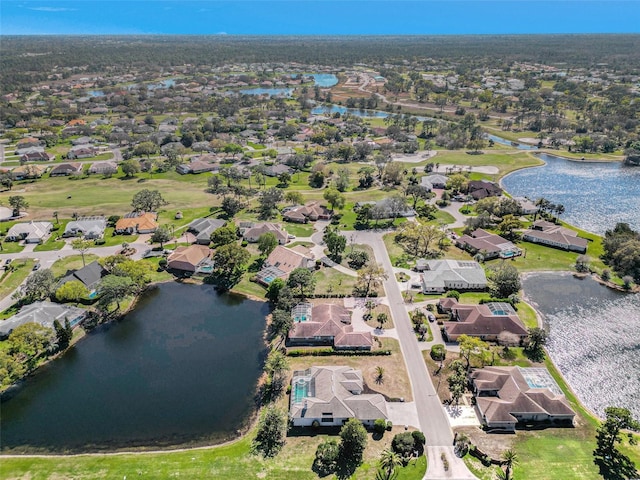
388 462
379 374
382 318
559 210
510 458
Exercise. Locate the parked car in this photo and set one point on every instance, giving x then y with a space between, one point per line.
36 267
7 261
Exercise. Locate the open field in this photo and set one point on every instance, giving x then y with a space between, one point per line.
11 280
72 262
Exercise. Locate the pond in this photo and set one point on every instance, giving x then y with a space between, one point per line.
181 369
594 337
331 109
595 195
504 141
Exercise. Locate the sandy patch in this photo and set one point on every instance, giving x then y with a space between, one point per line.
413 157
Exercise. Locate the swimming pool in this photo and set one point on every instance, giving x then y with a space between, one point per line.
300 390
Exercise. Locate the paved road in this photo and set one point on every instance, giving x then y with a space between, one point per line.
432 417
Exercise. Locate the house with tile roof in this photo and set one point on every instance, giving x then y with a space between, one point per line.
282 261
189 259
509 396
309 212
552 235
486 321
326 325
43 313
442 275
30 232
488 244
204 227
251 233
136 223
329 396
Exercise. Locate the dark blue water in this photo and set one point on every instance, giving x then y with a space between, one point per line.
594 337
180 369
595 195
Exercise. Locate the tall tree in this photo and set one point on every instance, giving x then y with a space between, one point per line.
38 286
334 197
17 203
353 441
162 235
147 201
224 235
302 278
113 289
266 243
82 245
271 432
370 277
230 261
504 280
388 463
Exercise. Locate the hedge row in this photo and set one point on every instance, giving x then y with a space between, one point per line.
325 352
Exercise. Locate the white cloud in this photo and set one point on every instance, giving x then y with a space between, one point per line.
52 9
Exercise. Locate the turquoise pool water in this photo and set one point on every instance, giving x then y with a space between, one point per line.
300 390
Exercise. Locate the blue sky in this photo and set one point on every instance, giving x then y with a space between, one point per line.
325 17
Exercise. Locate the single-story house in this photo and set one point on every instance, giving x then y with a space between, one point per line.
252 233
434 181
88 227
482 189
326 325
312 211
196 166
89 275
104 168
82 151
66 169
527 207
329 396
44 313
136 223
282 261
488 244
442 275
508 396
552 235
486 321
36 157
189 259
204 227
30 232
277 170
82 140
28 171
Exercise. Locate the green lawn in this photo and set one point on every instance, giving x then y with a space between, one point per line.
53 243
11 280
329 280
299 229
11 247
72 262
111 240
231 461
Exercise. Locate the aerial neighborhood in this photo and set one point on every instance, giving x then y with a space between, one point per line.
338 245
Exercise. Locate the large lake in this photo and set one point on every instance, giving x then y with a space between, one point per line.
595 195
180 369
594 337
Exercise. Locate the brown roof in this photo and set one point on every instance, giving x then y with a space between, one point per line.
260 228
514 395
555 233
287 259
146 221
482 240
479 321
188 258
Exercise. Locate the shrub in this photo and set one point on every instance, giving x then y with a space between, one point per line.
438 352
99 241
244 243
389 425
453 294
380 425
418 437
163 263
403 444
327 455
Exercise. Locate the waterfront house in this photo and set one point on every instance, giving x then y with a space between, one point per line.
326 325
552 235
189 259
329 396
486 321
482 189
43 313
442 275
488 244
282 261
89 275
508 396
